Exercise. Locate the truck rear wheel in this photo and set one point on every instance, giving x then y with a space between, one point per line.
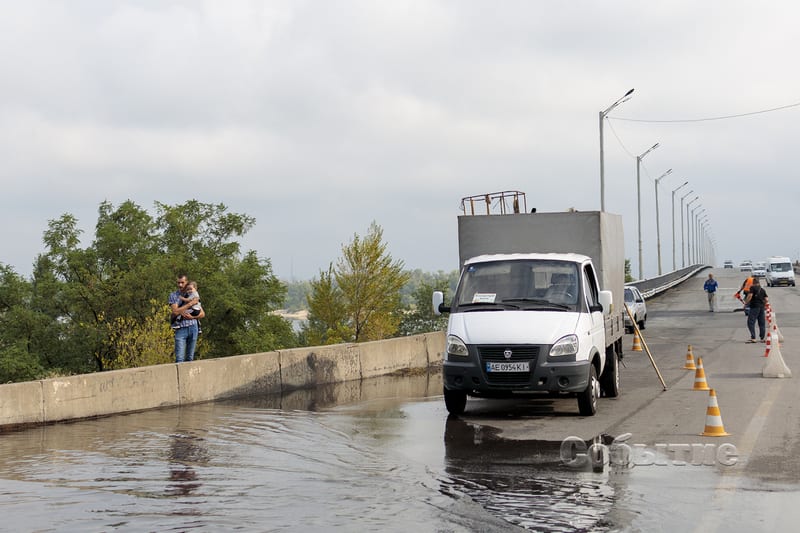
455 401
587 399
609 381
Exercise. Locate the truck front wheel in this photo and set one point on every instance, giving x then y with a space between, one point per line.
455 401
587 399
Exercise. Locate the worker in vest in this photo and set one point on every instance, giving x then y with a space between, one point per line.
743 292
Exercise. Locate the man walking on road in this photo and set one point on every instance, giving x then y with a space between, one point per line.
756 300
710 286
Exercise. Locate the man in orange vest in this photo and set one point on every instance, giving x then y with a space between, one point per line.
744 291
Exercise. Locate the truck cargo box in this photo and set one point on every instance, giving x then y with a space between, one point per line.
593 233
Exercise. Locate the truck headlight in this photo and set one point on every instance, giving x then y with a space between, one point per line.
565 346
456 346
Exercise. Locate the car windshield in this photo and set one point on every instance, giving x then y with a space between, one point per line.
528 284
628 296
781 267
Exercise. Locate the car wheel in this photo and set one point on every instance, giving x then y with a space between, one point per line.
609 382
641 323
455 401
587 398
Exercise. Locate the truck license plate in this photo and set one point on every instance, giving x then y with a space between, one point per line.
523 366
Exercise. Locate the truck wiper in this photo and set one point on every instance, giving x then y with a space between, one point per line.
492 306
538 301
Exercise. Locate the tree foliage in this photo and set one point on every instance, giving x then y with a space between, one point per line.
103 306
418 316
359 299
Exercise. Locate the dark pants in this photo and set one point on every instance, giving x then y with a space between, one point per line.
756 313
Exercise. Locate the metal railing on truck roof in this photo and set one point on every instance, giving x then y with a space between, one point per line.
503 203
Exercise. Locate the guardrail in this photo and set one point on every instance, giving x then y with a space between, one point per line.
655 286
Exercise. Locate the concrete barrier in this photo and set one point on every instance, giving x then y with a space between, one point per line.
229 377
21 403
138 389
318 365
102 393
379 358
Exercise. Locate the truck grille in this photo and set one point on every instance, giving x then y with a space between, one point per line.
496 353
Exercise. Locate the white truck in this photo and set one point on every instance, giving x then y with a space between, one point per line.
779 271
528 315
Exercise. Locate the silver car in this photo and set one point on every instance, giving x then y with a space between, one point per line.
635 302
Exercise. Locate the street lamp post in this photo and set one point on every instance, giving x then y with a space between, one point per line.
639 202
691 239
702 253
673 223
603 114
698 236
658 225
685 248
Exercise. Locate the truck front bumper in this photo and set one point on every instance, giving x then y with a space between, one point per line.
545 375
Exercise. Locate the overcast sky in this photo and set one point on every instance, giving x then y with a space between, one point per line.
319 117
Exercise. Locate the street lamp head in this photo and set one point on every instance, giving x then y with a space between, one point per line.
664 175
639 158
628 93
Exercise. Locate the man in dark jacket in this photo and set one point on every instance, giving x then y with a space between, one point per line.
756 300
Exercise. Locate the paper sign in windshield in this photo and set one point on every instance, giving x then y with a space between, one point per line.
484 298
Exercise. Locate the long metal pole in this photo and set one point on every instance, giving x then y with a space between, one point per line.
602 167
683 257
691 238
687 232
674 267
639 204
639 213
697 235
658 223
658 233
602 158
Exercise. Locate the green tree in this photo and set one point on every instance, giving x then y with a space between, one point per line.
419 316
326 312
370 281
104 305
359 299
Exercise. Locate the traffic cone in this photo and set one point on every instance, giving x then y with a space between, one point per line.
777 336
637 342
769 343
714 427
689 360
700 376
774 366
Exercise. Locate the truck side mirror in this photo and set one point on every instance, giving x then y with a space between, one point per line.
606 301
438 303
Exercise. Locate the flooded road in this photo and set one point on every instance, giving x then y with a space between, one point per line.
381 455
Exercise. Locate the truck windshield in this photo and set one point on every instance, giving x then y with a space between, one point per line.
781 267
530 284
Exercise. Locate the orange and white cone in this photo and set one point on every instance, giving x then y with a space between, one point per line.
774 365
637 342
689 360
769 343
700 382
777 336
714 427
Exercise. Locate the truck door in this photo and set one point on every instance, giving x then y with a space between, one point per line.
590 288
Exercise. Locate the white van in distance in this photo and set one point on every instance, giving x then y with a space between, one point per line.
780 271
